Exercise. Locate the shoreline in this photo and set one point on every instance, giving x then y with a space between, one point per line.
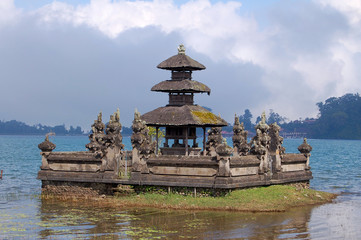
276 198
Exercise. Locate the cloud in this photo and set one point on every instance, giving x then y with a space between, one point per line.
63 63
8 13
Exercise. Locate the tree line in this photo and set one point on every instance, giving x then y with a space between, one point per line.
338 118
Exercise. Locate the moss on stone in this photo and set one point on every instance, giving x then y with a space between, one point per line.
205 117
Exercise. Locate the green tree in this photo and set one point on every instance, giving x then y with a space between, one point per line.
246 118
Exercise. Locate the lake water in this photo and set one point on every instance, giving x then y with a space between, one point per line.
336 167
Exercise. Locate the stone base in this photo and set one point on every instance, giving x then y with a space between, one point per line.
77 189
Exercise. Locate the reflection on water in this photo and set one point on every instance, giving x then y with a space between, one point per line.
335 165
59 219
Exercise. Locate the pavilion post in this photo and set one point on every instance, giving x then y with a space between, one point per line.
204 141
157 138
186 142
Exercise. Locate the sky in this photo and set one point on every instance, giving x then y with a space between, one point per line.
61 62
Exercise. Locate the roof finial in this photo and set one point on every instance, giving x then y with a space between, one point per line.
181 49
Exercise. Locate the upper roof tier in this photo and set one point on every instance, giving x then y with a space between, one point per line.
181 62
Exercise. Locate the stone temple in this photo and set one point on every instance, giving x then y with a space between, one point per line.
179 161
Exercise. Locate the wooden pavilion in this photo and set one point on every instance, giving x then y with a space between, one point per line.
181 116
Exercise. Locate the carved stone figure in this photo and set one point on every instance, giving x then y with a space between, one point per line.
113 142
141 143
276 140
239 138
214 139
260 144
113 131
276 148
97 137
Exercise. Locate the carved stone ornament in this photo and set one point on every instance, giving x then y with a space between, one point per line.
240 138
97 137
223 149
214 139
141 143
46 146
276 140
305 148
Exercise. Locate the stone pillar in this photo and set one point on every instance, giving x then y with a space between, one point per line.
306 149
223 157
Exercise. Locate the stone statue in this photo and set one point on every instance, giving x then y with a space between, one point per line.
260 144
214 139
276 149
141 143
239 138
97 137
181 49
276 140
113 142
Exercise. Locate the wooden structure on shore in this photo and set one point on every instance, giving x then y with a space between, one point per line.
261 162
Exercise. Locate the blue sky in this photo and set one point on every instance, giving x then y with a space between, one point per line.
62 62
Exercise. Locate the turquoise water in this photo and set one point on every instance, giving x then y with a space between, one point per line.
336 167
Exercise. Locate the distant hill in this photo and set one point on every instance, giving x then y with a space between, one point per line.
339 118
14 127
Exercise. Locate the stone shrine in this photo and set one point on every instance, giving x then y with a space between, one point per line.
179 162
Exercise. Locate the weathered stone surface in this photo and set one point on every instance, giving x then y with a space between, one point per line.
224 168
244 171
293 167
185 171
74 167
293 158
74 156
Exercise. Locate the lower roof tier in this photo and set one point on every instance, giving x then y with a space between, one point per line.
186 115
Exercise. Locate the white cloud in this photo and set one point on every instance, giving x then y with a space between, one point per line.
351 8
8 12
